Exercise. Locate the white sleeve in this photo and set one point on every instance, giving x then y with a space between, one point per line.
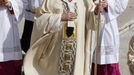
25 3
36 3
116 7
18 9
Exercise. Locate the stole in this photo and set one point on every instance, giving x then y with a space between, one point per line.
69 42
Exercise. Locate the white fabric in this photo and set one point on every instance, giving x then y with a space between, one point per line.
28 14
18 9
36 3
9 35
29 5
109 34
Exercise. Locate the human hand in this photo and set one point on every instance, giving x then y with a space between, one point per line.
101 6
104 3
1 2
68 16
5 3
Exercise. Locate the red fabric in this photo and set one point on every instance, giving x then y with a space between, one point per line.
11 67
10 10
106 9
107 69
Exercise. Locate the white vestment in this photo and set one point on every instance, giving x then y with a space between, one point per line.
108 51
44 55
9 35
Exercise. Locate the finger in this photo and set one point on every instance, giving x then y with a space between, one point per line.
104 2
72 16
2 3
71 13
104 5
100 9
5 1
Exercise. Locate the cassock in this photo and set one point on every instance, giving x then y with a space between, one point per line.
10 50
49 40
131 56
107 52
29 19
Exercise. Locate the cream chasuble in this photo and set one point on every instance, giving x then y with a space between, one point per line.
52 51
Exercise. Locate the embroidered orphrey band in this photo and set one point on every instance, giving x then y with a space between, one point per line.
69 44
68 52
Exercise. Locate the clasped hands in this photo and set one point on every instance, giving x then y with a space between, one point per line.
102 6
6 3
68 16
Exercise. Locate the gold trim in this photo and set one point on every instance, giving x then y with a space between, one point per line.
72 37
35 10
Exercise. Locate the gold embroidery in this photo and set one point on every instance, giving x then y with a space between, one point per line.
69 44
68 51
